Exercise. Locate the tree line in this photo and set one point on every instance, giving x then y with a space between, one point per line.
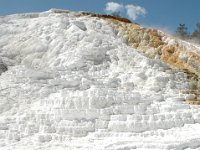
182 32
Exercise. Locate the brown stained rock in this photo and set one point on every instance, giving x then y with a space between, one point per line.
152 44
116 18
193 102
170 54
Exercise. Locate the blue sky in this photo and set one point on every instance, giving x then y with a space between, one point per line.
165 14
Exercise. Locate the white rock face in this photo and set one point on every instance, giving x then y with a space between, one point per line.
72 84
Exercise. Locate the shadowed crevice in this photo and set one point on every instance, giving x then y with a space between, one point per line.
3 67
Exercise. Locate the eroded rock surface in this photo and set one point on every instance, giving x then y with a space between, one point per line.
74 84
156 44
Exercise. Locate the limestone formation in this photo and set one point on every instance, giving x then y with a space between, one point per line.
155 44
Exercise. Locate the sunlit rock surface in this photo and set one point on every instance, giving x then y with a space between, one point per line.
156 44
73 83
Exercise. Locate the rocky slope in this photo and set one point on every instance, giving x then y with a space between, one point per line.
156 44
72 80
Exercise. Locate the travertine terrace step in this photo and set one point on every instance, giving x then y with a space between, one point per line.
193 102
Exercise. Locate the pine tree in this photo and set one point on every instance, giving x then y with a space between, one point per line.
182 32
196 34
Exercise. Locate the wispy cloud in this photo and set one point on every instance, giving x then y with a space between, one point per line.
112 7
132 11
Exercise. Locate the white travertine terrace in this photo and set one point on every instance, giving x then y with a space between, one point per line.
72 83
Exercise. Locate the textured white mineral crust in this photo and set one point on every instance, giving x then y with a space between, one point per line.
73 84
